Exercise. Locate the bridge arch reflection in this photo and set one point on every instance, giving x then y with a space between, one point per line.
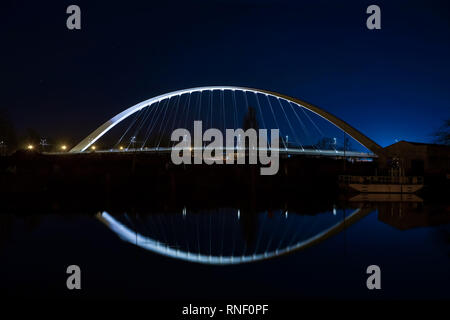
128 234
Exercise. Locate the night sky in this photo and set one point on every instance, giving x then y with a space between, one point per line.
391 83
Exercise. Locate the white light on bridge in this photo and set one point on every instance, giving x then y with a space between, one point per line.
99 132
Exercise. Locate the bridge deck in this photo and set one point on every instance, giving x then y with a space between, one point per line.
281 151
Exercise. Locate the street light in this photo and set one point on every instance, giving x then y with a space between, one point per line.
43 143
30 147
93 147
63 147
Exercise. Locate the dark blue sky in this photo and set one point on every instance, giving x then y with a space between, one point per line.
391 83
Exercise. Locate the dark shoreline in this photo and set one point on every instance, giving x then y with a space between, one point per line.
35 181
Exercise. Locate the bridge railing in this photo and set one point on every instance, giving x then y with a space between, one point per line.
347 179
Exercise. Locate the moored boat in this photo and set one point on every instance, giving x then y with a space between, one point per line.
382 184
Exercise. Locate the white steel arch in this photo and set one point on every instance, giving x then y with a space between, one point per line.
108 125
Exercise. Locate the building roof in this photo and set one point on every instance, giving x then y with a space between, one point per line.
421 144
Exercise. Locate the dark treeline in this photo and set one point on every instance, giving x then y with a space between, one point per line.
11 140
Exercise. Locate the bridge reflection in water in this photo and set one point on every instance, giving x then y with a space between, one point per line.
224 237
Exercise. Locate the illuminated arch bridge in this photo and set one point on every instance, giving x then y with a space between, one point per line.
303 127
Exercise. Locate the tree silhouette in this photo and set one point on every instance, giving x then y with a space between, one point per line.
442 135
8 138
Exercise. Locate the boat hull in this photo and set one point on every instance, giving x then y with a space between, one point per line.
386 188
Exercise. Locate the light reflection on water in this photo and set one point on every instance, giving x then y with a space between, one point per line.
408 240
229 236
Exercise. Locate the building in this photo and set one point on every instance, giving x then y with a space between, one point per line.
417 158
